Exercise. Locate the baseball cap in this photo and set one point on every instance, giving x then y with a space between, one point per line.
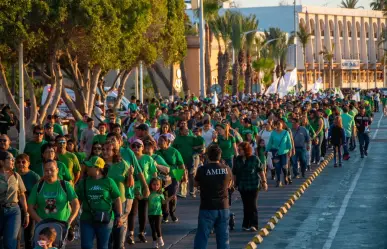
142 127
138 141
95 161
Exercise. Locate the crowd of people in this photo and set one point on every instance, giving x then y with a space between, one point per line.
100 176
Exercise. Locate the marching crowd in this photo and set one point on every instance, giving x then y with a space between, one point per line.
102 175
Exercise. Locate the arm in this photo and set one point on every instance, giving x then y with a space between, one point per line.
320 126
144 185
263 180
33 213
76 177
118 210
23 204
74 210
130 179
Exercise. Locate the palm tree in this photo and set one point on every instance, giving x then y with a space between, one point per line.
304 37
378 4
350 4
278 45
251 24
328 56
236 40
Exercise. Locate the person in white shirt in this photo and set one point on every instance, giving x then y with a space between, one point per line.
207 133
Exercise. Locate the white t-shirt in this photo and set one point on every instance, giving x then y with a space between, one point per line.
153 131
265 135
207 136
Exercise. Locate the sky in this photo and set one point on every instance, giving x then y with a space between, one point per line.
331 3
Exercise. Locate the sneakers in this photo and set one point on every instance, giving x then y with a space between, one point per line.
142 238
130 240
174 219
279 184
366 153
160 241
192 194
155 244
181 195
254 229
308 168
246 229
165 220
335 165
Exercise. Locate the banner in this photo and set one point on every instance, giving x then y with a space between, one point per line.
291 78
272 88
282 88
317 86
215 100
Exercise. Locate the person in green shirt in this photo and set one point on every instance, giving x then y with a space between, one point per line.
348 124
148 165
71 147
99 194
53 198
5 145
132 105
80 126
101 137
68 158
122 174
155 201
58 126
174 159
152 108
33 149
248 128
226 142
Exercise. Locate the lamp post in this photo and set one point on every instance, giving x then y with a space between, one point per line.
22 133
202 43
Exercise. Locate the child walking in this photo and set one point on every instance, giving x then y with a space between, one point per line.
155 201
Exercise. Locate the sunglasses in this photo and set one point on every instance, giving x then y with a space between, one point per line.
38 133
11 158
97 148
61 142
3 140
136 146
22 161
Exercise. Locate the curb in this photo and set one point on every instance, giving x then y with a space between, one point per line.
283 210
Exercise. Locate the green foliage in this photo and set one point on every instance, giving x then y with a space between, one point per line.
303 36
350 4
378 4
265 65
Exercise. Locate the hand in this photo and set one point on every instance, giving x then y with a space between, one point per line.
26 221
131 170
145 192
118 222
264 186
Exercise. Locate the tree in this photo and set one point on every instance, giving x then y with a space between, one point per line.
236 40
251 26
328 56
304 37
278 43
350 4
378 4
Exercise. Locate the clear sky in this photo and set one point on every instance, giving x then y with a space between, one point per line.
331 3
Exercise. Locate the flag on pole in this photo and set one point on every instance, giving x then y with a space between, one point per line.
338 92
282 87
356 96
291 78
272 88
215 100
317 85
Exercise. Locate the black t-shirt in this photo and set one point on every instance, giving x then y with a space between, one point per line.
214 180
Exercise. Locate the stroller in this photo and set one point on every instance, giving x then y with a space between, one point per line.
60 227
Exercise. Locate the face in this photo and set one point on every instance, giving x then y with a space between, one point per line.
184 132
49 154
183 124
163 144
85 117
137 148
61 143
241 152
107 151
4 142
38 135
149 149
102 129
70 147
139 133
90 124
219 130
22 165
113 140
279 126
44 238
262 143
117 130
154 123
92 171
97 149
50 171
164 128
155 185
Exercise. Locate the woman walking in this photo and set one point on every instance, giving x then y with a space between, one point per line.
337 138
249 175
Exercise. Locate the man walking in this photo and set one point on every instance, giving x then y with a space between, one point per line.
301 143
363 121
348 125
214 180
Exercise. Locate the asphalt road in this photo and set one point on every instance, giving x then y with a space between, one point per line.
344 207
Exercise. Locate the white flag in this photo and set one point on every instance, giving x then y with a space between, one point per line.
317 85
338 91
272 88
282 87
291 78
215 100
356 97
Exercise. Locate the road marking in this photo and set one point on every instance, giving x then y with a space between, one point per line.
377 129
344 205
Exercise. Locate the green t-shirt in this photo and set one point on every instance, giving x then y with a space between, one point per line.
199 141
71 161
119 173
58 129
81 127
33 150
245 130
227 146
101 194
81 156
29 180
130 158
155 201
52 201
99 138
149 166
348 123
159 160
132 106
13 151
152 110
384 101
117 121
236 125
172 157
63 172
184 145
261 155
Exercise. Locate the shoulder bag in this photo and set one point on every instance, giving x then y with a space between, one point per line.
274 152
102 217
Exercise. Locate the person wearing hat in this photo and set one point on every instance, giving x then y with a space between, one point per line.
49 134
12 192
33 148
140 132
101 205
87 136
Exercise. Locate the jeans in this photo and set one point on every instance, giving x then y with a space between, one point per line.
139 207
281 165
250 208
155 224
119 233
345 146
324 146
316 149
102 232
309 154
364 141
336 153
300 155
209 219
10 222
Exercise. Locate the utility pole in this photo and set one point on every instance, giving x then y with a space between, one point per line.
202 43
295 34
141 83
22 133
